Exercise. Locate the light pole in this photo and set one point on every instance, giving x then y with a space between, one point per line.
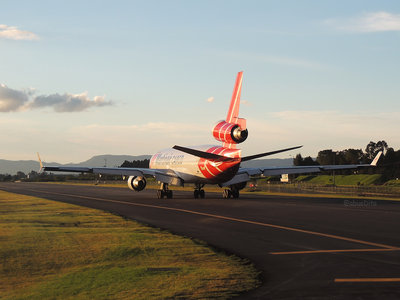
334 162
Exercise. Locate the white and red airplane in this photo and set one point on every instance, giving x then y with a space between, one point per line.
202 165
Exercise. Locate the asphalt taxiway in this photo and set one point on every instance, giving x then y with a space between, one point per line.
305 247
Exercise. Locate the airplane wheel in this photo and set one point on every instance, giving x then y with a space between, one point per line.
202 194
169 194
196 194
235 194
226 194
160 194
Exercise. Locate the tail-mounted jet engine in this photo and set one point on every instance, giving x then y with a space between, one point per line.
229 133
136 183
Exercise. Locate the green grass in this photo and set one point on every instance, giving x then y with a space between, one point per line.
394 183
345 180
52 250
322 195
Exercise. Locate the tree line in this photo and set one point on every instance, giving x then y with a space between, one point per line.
45 176
388 165
136 164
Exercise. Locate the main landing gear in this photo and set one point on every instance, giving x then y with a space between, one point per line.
199 192
232 192
164 191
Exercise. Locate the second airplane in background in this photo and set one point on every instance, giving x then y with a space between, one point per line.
202 165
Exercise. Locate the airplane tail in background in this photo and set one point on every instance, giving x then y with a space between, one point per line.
233 130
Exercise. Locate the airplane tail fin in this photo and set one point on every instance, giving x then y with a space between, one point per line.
232 119
233 111
375 161
40 163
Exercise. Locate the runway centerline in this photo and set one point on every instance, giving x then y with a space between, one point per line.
227 218
367 280
335 251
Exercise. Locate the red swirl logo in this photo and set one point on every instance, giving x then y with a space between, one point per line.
212 168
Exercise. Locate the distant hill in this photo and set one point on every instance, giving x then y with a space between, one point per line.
26 166
13 166
111 160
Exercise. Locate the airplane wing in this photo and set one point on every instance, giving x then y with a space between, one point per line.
244 174
102 170
164 175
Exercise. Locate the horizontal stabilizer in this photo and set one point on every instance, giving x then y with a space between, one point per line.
205 155
246 158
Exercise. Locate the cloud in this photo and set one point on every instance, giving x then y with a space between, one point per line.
68 102
142 138
368 22
319 130
277 60
153 127
14 100
245 102
13 33
11 100
210 100
288 61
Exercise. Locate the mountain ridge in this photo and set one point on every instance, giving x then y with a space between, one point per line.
13 166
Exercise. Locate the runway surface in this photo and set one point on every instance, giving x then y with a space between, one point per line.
305 247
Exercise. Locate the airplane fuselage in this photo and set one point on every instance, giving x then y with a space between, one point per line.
193 169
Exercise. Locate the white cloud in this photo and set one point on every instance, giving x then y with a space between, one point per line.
368 22
13 33
168 128
318 130
68 102
245 102
288 61
278 60
210 100
15 100
140 139
11 100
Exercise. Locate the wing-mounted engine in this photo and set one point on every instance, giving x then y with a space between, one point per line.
137 183
229 133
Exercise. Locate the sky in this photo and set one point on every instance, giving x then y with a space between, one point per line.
84 78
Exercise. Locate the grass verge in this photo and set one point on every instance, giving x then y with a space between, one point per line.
394 182
52 250
321 195
343 180
249 191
